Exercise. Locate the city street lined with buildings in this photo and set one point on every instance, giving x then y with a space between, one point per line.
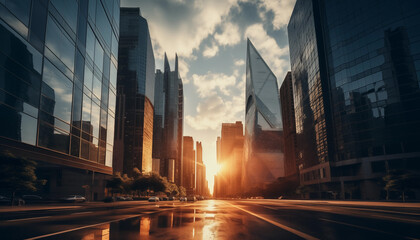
217 219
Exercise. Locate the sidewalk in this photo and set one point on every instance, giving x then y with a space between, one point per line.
358 203
53 206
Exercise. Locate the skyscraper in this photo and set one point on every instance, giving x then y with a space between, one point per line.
135 94
356 93
289 126
231 155
200 178
189 173
263 153
169 117
57 82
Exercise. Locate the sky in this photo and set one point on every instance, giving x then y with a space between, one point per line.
209 37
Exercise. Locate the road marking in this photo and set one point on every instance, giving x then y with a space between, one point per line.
292 230
27 219
80 213
364 228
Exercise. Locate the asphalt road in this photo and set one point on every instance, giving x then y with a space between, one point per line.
215 219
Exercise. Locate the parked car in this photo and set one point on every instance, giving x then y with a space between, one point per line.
8 201
110 199
120 198
32 198
191 199
128 198
73 198
171 198
154 199
183 199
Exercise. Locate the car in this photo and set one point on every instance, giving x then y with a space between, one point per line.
154 199
191 199
32 198
164 198
128 198
73 198
8 201
171 198
182 199
120 198
110 199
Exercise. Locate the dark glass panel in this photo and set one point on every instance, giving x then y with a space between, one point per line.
20 9
82 22
10 19
97 84
53 138
103 24
84 153
60 43
92 9
96 113
88 77
104 96
99 56
79 67
59 90
17 125
68 10
77 106
90 43
75 146
38 24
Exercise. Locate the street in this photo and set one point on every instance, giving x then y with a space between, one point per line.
215 219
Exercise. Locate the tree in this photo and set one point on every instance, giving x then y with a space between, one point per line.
401 181
18 174
182 191
156 183
115 183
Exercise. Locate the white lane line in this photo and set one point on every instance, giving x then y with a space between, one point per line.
80 213
289 229
364 228
27 219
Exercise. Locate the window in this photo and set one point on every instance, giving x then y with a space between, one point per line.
60 43
57 93
68 10
20 9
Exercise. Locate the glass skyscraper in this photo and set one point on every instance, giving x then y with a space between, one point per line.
356 72
263 154
135 95
168 133
57 89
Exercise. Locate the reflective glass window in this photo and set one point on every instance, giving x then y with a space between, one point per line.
90 42
59 90
97 84
20 9
112 101
17 125
84 151
88 77
113 75
114 48
99 56
103 24
53 138
96 113
60 43
108 159
38 24
77 106
75 146
87 104
110 130
92 9
68 10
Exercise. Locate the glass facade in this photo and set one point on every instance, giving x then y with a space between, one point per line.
168 128
56 91
136 77
46 73
356 89
263 124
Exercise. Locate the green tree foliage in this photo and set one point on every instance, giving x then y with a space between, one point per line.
401 181
18 174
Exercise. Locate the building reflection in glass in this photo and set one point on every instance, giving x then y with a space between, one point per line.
144 228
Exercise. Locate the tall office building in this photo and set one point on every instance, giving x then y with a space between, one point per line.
263 153
289 126
189 165
135 95
167 148
217 186
57 85
231 154
356 92
200 179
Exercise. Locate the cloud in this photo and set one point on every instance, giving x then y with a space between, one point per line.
239 62
275 57
209 83
214 111
181 25
183 68
210 52
282 10
230 35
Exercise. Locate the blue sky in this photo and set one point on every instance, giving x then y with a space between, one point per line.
210 39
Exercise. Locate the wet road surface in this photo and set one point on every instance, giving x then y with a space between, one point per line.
217 219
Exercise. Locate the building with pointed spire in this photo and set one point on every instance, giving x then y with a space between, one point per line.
169 119
263 155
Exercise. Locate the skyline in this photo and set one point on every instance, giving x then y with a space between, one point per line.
214 93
